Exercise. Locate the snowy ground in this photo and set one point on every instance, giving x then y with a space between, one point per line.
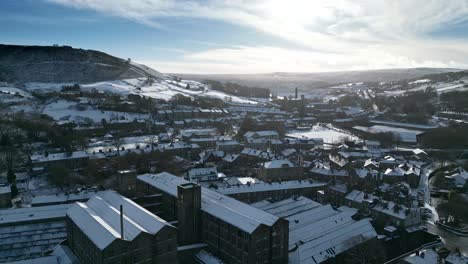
159 89
128 143
420 81
450 87
44 87
327 134
62 110
14 91
13 95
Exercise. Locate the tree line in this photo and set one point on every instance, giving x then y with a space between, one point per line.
237 89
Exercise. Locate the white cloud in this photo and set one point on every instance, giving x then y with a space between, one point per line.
334 34
266 59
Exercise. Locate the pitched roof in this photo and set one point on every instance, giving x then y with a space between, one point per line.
276 164
318 232
265 187
99 219
241 215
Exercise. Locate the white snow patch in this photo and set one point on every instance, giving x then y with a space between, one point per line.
62 110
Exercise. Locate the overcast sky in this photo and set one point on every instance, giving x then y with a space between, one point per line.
216 36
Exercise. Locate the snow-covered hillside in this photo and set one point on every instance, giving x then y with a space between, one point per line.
163 89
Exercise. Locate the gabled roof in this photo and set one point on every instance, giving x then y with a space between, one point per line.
276 164
290 206
266 187
330 172
419 151
394 172
288 152
265 133
99 219
319 232
202 171
241 215
230 157
359 196
361 173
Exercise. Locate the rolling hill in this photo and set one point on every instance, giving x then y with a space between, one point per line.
54 64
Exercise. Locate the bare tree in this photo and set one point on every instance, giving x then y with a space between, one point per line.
153 140
117 143
8 156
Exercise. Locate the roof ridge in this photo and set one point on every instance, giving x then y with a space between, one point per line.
99 220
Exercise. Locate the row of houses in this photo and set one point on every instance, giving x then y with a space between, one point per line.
195 113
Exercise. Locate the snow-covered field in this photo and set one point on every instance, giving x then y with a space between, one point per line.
14 91
327 134
441 87
44 87
62 110
13 95
450 87
420 81
159 89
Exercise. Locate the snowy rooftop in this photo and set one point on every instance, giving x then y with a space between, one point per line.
16 216
207 258
395 172
426 256
329 172
419 151
236 213
361 173
265 187
456 258
5 189
99 219
60 255
318 232
288 152
202 171
227 143
251 152
62 198
59 156
265 133
389 209
240 180
288 207
30 240
276 164
199 132
359 196
177 145
231 157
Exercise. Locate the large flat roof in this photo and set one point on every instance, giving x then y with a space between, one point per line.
19 215
236 213
265 187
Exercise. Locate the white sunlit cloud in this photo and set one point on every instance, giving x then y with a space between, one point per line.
333 34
